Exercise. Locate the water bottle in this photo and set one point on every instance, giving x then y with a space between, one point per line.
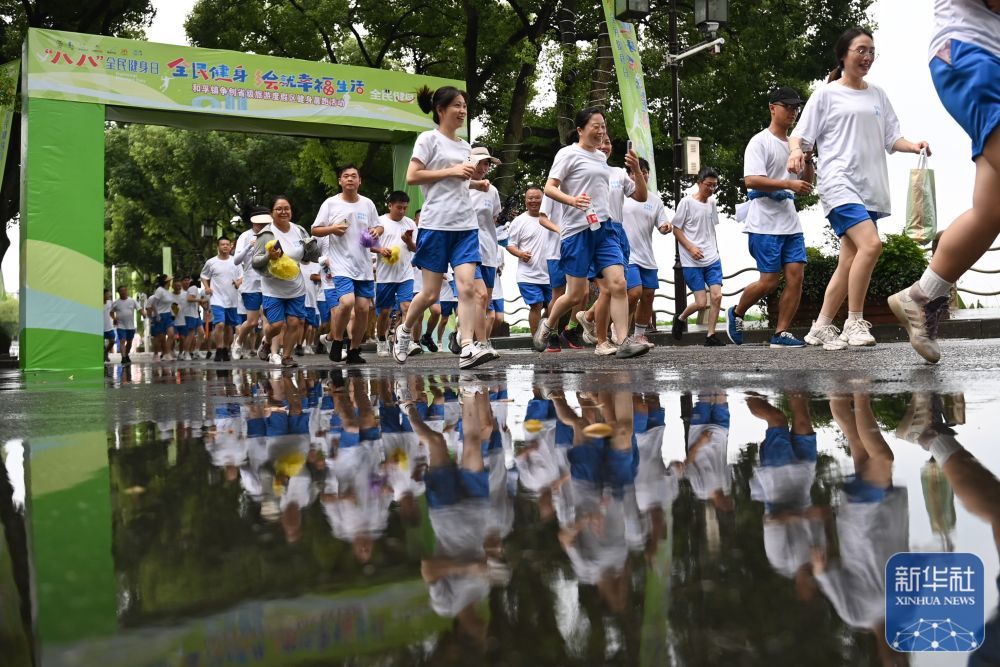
592 219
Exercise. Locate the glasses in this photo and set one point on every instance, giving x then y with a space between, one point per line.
794 108
283 209
865 52
710 185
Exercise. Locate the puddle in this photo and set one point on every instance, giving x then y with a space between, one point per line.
318 517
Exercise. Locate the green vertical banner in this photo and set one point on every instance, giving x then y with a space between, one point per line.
401 154
628 66
168 262
62 234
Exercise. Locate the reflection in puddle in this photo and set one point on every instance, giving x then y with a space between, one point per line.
268 518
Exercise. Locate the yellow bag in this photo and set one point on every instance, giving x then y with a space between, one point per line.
921 204
284 267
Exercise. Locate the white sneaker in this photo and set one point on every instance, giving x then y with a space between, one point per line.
401 348
308 349
642 340
236 352
473 354
857 333
828 336
414 348
606 349
382 348
589 334
275 359
491 350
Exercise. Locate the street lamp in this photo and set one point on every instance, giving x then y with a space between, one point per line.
709 16
627 10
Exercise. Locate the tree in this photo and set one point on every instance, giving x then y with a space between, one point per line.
119 18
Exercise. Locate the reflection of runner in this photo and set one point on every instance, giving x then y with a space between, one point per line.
783 482
706 466
656 486
872 525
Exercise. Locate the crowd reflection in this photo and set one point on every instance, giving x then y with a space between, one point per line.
730 528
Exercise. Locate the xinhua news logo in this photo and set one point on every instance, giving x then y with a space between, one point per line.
934 602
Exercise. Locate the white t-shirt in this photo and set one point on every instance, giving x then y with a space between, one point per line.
852 131
309 268
291 246
553 210
109 324
223 274
244 251
527 234
487 207
969 21
767 155
447 205
190 308
640 220
620 187
124 310
163 301
709 469
698 220
177 308
348 258
581 171
402 270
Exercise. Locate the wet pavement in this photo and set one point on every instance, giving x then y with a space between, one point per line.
693 507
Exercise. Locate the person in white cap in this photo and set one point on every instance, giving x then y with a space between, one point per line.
250 288
486 204
449 231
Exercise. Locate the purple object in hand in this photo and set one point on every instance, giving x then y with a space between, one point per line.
367 240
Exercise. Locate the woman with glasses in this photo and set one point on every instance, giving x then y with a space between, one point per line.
851 125
694 226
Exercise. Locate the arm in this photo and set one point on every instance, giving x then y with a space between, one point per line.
632 162
692 249
553 192
520 254
907 146
243 250
418 174
407 237
765 184
545 222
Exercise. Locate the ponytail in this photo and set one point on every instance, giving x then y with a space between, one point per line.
431 101
835 73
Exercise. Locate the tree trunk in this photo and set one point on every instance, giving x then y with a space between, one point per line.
604 69
514 132
566 82
10 191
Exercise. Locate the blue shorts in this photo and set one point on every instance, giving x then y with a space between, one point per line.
557 277
697 277
110 335
449 485
488 274
253 301
281 423
393 295
447 308
324 310
587 248
860 491
312 318
436 249
256 427
180 329
782 447
496 305
192 324
160 325
125 334
540 409
635 276
225 316
597 462
846 216
773 251
534 293
276 310
617 231
969 89
361 289
710 413
241 318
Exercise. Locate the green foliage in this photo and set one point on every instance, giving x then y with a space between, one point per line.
10 316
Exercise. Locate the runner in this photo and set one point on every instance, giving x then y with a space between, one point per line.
852 125
250 293
772 225
965 67
694 227
528 240
221 278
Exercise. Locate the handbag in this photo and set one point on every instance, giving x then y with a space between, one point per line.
921 203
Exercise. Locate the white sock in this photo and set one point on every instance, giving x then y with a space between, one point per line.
855 316
943 446
823 321
640 330
933 285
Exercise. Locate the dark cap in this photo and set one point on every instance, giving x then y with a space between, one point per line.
784 95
